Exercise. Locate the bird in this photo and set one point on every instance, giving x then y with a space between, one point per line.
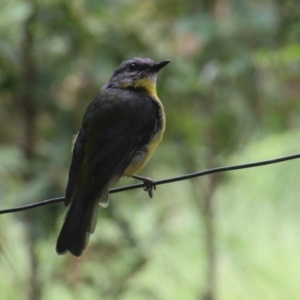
120 130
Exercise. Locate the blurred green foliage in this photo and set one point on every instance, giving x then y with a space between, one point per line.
231 95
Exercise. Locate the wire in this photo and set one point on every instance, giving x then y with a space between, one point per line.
163 181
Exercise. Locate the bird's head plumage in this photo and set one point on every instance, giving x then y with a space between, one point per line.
137 73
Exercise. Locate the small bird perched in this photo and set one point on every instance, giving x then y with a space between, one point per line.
120 130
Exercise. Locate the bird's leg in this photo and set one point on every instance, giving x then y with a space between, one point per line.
149 185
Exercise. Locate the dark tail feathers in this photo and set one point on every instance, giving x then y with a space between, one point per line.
80 222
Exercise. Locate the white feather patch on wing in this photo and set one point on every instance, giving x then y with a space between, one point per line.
103 200
74 141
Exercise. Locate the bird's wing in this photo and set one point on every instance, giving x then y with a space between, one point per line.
77 158
113 130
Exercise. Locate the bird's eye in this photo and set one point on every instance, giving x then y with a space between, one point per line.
132 67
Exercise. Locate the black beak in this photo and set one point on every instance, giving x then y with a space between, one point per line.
158 66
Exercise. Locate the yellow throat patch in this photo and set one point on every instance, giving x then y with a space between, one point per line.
148 84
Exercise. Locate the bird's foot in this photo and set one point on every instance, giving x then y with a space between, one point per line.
149 185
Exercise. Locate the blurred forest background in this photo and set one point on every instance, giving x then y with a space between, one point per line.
231 95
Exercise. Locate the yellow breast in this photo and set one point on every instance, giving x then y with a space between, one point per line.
141 159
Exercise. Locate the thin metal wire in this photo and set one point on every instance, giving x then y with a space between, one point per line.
163 181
